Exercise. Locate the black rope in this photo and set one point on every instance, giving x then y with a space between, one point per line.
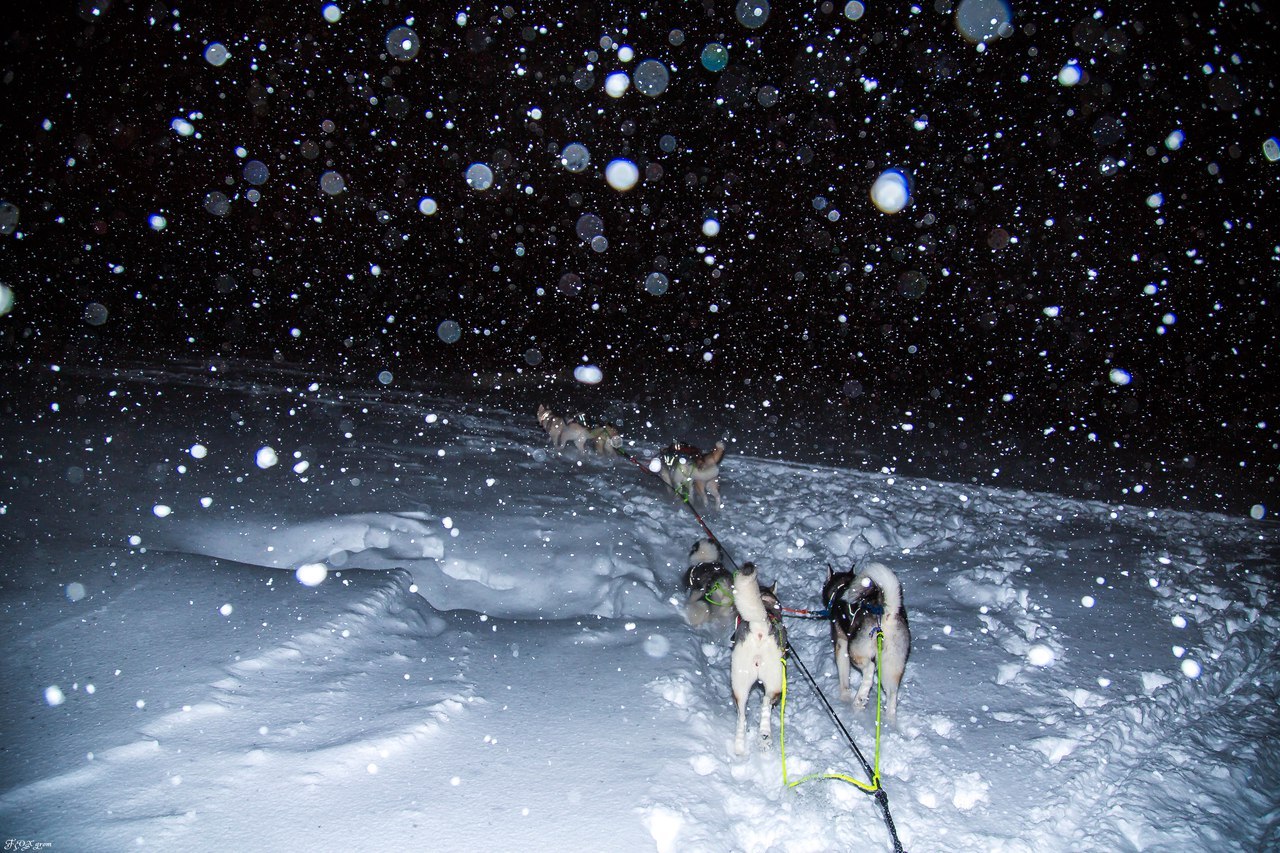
881 797
685 499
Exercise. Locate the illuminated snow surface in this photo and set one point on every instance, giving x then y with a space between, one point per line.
440 634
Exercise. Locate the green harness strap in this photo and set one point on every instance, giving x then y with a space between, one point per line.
726 595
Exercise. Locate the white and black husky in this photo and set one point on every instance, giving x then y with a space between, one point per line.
860 605
708 586
758 648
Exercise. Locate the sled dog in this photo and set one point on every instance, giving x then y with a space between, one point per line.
691 473
708 586
860 605
562 431
604 439
758 647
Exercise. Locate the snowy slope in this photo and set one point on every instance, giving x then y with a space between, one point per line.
495 660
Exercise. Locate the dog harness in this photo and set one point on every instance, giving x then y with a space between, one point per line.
837 599
776 627
726 595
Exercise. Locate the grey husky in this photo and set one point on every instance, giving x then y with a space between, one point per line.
860 606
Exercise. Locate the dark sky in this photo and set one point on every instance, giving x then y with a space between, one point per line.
1099 258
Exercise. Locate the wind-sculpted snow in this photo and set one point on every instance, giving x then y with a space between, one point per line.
495 630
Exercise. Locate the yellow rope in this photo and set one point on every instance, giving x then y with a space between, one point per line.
782 735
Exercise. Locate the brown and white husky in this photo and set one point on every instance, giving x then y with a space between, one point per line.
758 649
562 431
689 472
605 439
860 606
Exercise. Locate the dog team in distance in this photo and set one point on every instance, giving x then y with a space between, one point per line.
870 631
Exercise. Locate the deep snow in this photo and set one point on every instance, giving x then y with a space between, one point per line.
495 660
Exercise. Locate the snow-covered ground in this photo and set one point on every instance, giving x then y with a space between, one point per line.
494 659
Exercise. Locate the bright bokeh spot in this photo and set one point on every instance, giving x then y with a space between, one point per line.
311 574
588 374
891 192
1040 655
621 174
216 54
617 84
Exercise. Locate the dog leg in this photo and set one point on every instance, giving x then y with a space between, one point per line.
713 489
766 714
890 680
740 739
866 666
697 612
842 666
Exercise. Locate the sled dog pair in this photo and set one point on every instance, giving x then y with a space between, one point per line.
860 605
689 472
759 641
602 439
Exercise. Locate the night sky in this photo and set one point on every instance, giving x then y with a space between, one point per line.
1089 254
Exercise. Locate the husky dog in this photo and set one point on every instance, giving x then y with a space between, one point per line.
605 439
690 472
708 586
758 648
860 605
562 431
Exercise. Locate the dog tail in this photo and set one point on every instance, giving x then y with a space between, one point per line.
746 596
883 577
715 454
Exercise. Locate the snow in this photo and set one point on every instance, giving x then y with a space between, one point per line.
445 635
